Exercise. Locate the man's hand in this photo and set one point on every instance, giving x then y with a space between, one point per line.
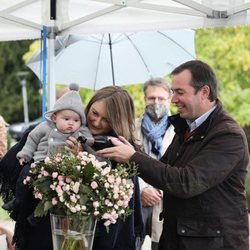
121 152
150 196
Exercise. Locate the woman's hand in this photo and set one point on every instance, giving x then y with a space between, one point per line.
121 152
72 145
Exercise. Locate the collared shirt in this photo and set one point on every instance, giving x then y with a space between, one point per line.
196 123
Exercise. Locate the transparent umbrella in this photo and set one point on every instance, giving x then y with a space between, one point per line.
95 61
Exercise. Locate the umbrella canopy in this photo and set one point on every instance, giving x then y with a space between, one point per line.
95 61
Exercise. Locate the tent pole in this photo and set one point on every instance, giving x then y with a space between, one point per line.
51 68
52 31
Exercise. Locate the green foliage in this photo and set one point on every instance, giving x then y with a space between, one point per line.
227 50
11 104
136 92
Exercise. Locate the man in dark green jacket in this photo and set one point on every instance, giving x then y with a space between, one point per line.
202 174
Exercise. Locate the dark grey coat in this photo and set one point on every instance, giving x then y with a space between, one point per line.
203 180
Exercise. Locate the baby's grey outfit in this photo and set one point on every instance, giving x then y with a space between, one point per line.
45 138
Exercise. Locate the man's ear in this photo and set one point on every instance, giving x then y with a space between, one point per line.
205 91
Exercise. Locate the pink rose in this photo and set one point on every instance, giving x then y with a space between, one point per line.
94 185
111 179
76 187
54 201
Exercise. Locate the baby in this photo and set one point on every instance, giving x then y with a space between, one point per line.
66 119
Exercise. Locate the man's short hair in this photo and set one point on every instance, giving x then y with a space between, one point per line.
158 82
202 74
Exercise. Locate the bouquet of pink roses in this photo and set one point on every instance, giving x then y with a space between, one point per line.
67 184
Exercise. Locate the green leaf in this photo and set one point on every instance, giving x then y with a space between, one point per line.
47 206
88 172
39 210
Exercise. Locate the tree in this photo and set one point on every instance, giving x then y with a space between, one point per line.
227 50
11 104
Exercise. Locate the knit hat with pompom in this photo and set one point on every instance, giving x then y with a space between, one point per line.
70 100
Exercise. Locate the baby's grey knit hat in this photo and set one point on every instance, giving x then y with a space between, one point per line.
70 100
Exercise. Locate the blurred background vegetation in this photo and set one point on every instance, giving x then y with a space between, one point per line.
227 50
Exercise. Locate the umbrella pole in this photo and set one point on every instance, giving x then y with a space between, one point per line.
111 59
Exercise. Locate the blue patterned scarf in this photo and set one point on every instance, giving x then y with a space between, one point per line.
154 132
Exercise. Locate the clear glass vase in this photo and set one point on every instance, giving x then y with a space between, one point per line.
72 232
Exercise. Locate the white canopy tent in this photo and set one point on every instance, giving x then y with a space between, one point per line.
24 19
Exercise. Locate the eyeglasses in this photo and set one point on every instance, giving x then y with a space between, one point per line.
154 98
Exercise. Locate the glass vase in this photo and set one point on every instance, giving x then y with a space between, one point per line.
72 232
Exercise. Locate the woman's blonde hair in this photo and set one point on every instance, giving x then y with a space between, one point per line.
119 108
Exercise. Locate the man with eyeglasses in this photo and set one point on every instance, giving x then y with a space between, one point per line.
155 134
